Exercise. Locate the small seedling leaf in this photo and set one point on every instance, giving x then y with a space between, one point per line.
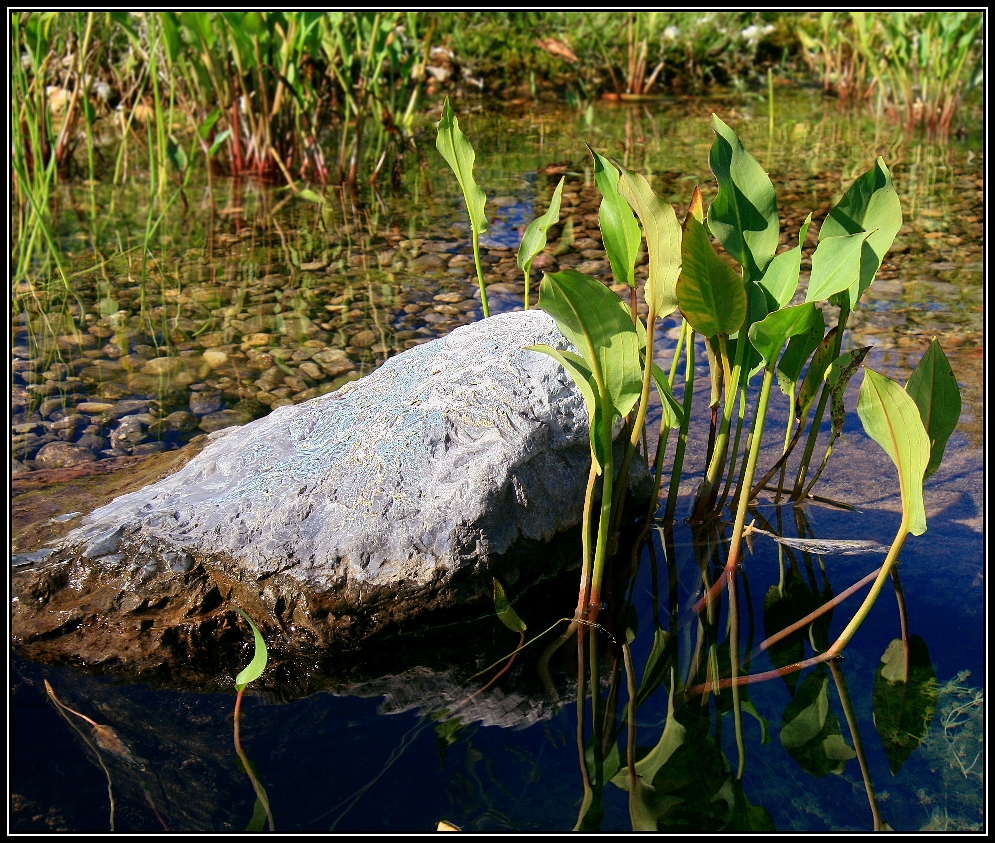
534 239
505 613
256 667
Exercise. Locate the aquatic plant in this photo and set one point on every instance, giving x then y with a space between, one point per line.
750 326
459 155
250 673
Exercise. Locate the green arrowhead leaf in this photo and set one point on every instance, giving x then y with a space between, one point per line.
663 241
891 418
255 668
619 229
743 216
800 348
534 239
507 615
712 296
771 333
459 155
780 280
934 389
594 319
835 266
870 205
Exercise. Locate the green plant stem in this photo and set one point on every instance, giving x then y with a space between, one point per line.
737 704
756 435
682 438
813 431
845 636
480 273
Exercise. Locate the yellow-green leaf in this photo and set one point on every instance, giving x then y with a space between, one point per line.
256 667
663 241
891 418
456 149
507 615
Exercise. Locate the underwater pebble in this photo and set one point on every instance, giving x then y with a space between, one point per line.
63 455
215 359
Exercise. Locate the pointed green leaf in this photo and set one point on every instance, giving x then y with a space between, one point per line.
835 266
534 239
311 196
904 699
663 241
870 205
672 409
780 280
580 374
771 333
255 668
891 418
219 139
712 296
800 348
743 216
934 389
507 615
594 319
459 155
619 229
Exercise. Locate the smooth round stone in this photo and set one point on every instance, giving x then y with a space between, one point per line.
62 455
162 366
256 340
312 370
364 339
94 408
130 432
449 298
205 403
506 288
215 359
223 419
176 422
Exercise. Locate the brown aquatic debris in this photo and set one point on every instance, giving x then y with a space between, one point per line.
557 48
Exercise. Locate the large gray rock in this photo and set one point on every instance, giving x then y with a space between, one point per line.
454 462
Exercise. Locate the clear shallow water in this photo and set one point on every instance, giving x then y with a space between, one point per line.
351 758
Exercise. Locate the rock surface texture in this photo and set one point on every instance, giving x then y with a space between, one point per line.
456 461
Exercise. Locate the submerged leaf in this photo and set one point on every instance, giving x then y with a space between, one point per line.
810 732
905 697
